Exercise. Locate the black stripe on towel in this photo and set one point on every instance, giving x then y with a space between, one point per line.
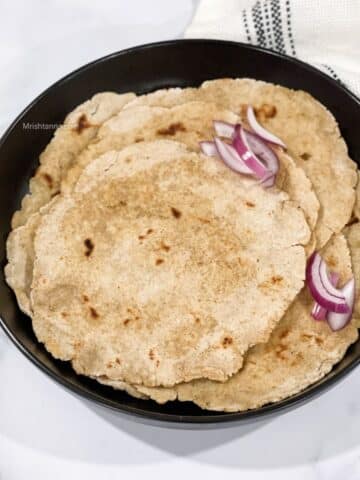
259 25
268 25
289 27
277 26
246 25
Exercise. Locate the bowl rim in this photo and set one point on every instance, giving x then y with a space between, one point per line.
223 418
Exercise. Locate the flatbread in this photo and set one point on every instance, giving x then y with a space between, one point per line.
306 126
352 234
188 123
79 128
357 201
174 251
300 351
21 256
117 385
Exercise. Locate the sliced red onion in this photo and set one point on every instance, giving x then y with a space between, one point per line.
318 312
208 148
224 129
323 292
260 130
325 280
242 147
337 321
230 157
268 182
263 151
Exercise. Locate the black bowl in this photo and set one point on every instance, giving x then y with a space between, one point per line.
143 69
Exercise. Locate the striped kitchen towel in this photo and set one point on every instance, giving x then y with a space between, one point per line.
325 33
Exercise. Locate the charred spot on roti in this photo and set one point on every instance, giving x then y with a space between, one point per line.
149 231
280 350
273 281
176 213
331 261
82 123
227 341
89 245
48 179
299 358
250 204
204 220
165 247
159 261
139 139
85 298
305 156
306 337
126 321
266 111
118 361
284 333
172 129
93 312
151 354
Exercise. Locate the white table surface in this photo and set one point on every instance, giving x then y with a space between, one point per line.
48 434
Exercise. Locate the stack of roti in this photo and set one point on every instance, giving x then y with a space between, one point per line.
156 269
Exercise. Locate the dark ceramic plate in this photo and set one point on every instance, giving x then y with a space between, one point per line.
143 69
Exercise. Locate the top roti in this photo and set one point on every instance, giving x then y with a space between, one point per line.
165 269
308 129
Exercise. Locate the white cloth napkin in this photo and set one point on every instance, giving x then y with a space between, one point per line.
325 33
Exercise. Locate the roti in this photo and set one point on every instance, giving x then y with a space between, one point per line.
308 129
185 280
189 123
168 257
300 351
79 129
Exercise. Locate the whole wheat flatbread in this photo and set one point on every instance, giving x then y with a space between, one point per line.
306 126
188 123
357 201
117 385
66 157
300 351
319 138
167 258
21 256
79 129
352 234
